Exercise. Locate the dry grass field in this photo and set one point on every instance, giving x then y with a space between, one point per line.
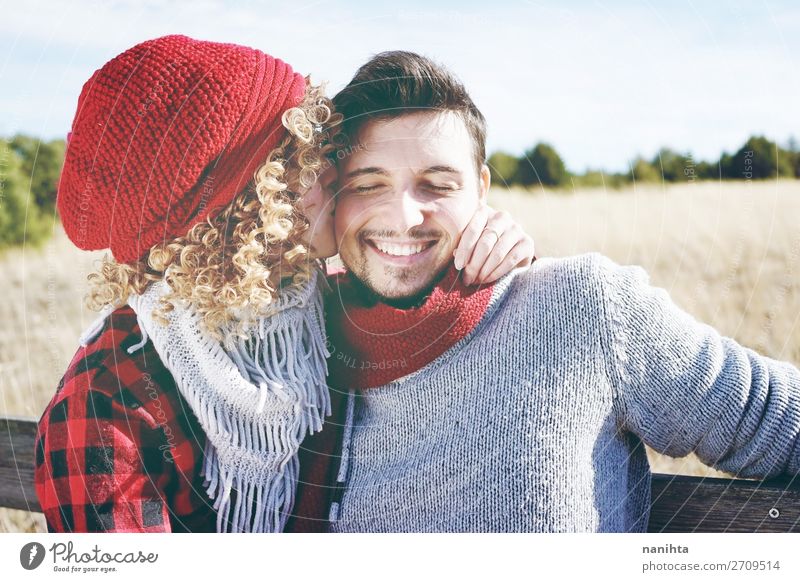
728 253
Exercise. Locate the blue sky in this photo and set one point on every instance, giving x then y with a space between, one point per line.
601 81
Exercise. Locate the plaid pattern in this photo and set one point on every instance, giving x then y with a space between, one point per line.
118 449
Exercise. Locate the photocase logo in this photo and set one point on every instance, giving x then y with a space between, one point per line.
31 555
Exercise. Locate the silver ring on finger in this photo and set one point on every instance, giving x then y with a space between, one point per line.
493 231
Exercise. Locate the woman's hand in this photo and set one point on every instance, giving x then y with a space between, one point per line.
492 245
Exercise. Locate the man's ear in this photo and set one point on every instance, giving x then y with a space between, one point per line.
485 182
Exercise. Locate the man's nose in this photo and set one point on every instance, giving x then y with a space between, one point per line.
407 211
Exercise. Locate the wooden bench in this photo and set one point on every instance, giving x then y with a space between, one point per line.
679 503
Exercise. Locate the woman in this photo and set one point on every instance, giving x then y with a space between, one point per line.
212 301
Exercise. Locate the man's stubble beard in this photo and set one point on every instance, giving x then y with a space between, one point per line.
371 295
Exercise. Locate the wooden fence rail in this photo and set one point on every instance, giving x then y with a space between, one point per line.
678 504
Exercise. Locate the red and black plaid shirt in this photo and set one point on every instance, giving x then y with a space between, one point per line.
118 448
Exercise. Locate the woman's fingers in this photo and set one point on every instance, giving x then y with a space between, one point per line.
497 226
521 255
470 236
502 247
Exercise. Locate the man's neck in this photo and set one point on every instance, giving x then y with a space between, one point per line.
369 297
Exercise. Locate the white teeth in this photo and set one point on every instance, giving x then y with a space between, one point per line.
399 250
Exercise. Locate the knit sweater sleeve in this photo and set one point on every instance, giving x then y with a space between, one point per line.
682 387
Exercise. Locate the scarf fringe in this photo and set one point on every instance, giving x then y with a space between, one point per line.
256 398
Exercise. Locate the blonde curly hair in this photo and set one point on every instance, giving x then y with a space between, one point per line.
235 261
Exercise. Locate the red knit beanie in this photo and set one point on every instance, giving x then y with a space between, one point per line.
166 133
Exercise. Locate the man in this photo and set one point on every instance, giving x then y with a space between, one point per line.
521 406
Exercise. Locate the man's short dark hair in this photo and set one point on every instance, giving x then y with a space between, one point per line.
396 83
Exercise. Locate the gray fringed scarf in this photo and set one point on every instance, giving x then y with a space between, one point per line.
256 398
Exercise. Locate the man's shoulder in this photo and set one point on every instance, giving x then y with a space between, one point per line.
587 285
579 271
569 288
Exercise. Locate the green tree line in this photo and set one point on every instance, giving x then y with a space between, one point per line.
758 159
30 168
29 172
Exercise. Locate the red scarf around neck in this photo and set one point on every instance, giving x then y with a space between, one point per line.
373 343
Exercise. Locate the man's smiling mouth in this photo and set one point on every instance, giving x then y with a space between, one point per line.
395 248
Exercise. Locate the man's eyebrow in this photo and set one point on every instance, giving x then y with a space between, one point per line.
441 169
369 170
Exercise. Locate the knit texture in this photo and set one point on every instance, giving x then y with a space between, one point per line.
372 344
164 134
256 398
534 422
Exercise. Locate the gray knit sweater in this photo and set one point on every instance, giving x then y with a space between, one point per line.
534 422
